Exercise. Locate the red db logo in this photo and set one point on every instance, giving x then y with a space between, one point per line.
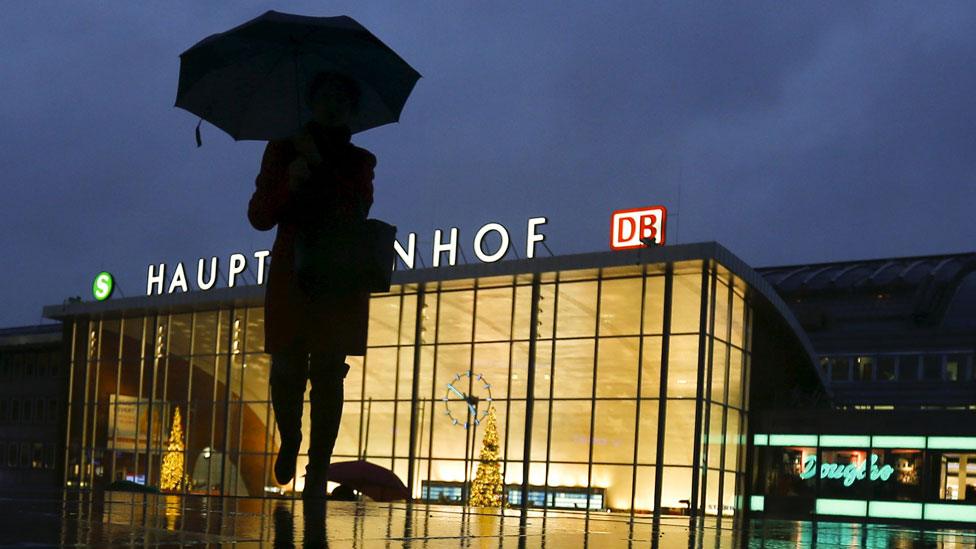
629 227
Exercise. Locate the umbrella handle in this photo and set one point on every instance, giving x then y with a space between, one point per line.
197 132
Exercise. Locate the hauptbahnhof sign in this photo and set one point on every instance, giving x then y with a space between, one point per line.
161 279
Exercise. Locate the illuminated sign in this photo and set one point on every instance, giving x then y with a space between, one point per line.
160 279
103 286
849 472
635 227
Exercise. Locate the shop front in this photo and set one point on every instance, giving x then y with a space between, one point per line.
905 473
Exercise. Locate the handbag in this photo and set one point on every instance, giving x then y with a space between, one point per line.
345 256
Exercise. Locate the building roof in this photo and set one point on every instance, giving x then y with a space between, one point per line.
922 290
30 335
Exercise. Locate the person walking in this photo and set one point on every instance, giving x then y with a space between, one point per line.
315 181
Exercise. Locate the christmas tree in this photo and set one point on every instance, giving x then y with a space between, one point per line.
171 477
486 490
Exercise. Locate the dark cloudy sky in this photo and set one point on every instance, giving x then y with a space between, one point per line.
790 135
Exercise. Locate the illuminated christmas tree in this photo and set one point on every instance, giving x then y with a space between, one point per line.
172 477
486 490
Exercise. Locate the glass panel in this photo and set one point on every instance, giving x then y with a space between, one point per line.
908 367
405 374
738 320
686 303
735 378
683 366
205 338
732 442
932 367
719 357
516 430
540 428
179 335
491 361
620 307
618 481
712 482
523 310
654 305
574 369
679 430
617 367
676 488
644 493
494 322
455 316
647 434
254 337
864 368
613 435
722 311
785 471
886 368
384 320
651 368
379 429
715 437
728 494
570 430
576 315
452 360
408 319
905 482
353 386
381 368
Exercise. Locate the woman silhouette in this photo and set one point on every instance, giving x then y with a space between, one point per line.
316 178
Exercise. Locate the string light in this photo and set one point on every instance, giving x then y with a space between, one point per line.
172 477
486 489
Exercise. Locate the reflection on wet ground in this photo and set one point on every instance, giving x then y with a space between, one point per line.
120 519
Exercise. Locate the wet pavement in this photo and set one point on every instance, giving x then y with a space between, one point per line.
130 520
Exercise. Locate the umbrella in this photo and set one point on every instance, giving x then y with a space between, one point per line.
379 483
251 81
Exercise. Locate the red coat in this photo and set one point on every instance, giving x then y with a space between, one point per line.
333 323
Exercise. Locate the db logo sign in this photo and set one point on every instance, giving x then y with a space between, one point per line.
629 227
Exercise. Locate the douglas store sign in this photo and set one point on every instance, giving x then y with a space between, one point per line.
630 228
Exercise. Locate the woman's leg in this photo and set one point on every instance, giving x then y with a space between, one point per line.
326 372
289 371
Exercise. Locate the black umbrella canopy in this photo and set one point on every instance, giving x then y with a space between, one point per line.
251 81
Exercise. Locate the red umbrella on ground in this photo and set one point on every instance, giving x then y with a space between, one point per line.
379 483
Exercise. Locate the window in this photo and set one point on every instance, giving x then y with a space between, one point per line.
3 410
908 367
932 367
955 369
13 454
840 368
865 368
886 368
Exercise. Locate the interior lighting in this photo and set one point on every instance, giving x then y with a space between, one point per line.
792 440
952 443
845 507
895 509
885 441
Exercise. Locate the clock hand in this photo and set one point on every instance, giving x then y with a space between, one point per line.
474 413
458 393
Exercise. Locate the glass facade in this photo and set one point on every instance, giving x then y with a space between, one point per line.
622 388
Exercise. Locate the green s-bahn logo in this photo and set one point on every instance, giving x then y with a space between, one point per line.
103 285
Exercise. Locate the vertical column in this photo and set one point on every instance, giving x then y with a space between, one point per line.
415 386
530 391
663 394
696 452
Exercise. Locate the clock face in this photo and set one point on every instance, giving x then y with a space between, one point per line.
463 409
